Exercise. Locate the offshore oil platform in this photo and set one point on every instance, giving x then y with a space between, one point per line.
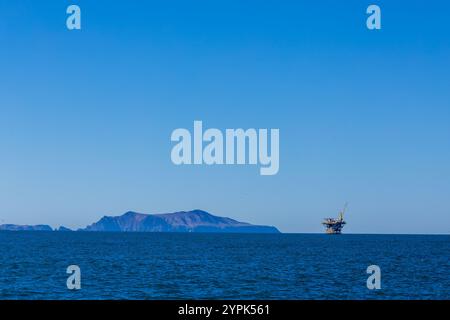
334 226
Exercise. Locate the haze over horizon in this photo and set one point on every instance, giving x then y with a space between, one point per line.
55 228
86 116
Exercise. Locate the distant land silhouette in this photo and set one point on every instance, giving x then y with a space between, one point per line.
184 221
14 227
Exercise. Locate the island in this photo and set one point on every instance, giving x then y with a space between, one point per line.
14 227
183 221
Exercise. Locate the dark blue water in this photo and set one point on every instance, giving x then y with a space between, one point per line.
222 266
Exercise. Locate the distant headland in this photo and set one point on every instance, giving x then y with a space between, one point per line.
183 221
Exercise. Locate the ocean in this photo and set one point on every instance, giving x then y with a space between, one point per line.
222 266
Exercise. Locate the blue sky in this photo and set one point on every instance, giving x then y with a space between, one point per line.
86 116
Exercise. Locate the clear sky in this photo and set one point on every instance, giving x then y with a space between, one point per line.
364 116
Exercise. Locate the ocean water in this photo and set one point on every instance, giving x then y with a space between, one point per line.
222 266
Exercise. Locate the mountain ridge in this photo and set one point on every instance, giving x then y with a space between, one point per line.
181 221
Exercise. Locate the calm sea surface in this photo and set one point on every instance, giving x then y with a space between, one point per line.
222 266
